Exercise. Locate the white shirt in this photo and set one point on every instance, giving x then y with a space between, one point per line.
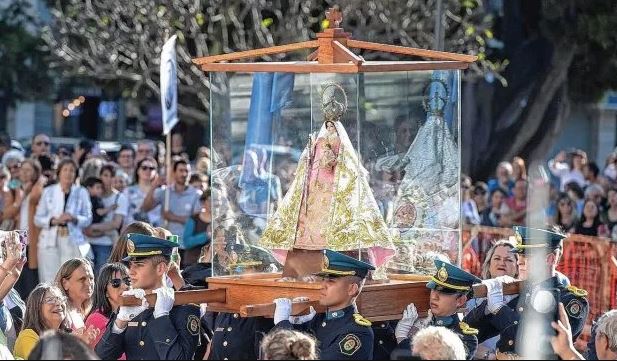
562 170
122 210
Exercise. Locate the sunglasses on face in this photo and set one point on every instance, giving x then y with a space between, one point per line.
117 282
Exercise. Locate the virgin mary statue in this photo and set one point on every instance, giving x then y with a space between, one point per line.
329 204
428 195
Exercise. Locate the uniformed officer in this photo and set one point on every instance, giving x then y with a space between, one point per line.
385 339
165 332
450 287
342 333
237 338
495 316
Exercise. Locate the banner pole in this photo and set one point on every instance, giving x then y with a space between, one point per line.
168 175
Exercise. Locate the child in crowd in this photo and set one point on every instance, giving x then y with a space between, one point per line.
95 189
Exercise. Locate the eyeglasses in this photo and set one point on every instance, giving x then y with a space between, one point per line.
42 143
117 282
147 168
54 300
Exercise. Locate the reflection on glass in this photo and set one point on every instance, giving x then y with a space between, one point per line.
367 166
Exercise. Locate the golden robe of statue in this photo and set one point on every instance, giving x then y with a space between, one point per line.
330 203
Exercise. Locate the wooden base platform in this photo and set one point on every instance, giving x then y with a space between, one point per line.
252 295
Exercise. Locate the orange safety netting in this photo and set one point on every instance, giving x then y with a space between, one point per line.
613 277
589 262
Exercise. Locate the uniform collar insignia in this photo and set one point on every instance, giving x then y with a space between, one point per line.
445 321
331 315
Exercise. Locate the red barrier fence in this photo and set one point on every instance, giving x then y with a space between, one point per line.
589 262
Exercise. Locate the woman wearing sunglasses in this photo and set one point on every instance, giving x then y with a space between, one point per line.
145 176
113 280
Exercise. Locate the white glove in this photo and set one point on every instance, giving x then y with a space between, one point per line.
297 320
423 323
203 309
127 313
494 295
410 315
165 298
282 311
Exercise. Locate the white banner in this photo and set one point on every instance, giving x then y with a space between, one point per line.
169 85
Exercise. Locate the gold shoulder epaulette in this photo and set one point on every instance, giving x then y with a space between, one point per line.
577 291
361 320
467 330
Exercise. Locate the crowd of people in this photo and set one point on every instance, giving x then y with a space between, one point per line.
101 227
582 198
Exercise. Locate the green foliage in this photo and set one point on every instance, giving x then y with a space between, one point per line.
24 72
119 42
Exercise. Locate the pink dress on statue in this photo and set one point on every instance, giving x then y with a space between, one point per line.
329 205
317 198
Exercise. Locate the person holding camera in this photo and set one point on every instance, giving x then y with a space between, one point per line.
19 211
539 300
11 306
568 167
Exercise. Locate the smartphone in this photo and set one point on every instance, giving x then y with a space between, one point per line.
23 239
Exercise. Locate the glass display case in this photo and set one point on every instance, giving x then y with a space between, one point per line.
335 152
363 163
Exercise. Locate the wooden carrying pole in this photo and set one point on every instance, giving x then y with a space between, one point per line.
479 290
267 309
182 297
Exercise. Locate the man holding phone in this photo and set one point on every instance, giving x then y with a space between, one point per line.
536 300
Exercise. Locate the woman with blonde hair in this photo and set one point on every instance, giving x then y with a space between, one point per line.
75 279
284 344
500 261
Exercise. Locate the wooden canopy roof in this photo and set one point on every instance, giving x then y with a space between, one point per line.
333 55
